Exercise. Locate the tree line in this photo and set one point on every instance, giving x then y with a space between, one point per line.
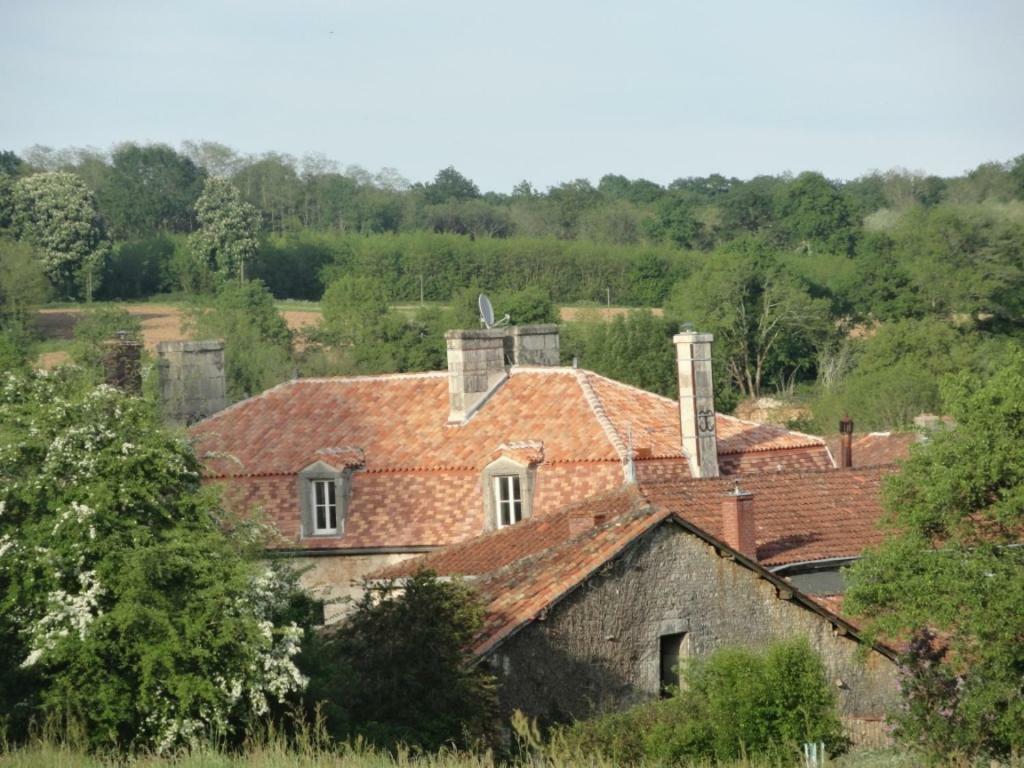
827 291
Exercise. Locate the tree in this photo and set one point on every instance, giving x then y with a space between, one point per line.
813 211
150 189
766 324
228 233
57 214
125 611
257 342
951 563
354 310
449 185
400 670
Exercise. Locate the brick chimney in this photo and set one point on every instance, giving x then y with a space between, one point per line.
534 344
122 363
476 368
738 529
697 402
578 523
846 443
192 380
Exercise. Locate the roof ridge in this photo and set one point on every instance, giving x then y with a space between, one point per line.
799 472
600 414
818 440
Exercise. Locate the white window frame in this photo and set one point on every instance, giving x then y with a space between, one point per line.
324 498
508 497
321 475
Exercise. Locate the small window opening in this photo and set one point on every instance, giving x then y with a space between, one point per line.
672 652
325 507
509 500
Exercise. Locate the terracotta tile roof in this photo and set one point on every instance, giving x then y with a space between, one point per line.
417 479
522 571
399 423
799 516
878 448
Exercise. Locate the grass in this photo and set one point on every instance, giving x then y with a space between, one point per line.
277 755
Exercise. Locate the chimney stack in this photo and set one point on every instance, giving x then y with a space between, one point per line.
697 402
192 381
534 344
122 363
738 529
578 523
846 443
476 367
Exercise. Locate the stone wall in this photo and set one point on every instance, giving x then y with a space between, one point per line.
336 578
599 649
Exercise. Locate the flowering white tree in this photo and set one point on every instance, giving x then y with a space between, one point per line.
228 235
123 604
57 213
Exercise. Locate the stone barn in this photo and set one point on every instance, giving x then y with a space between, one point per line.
592 609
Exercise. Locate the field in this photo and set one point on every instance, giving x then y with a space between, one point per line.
162 321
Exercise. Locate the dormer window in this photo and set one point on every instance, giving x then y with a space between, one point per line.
323 499
507 490
508 499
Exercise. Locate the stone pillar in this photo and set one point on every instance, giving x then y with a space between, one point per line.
697 402
192 381
535 344
122 364
738 528
476 367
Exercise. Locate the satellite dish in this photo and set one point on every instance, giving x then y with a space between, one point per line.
487 313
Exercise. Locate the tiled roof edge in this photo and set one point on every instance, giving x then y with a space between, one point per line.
602 417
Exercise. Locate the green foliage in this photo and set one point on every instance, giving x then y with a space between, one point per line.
125 612
950 564
399 670
23 283
257 342
530 305
767 326
56 213
735 703
227 237
150 189
141 268
450 185
354 310
96 326
813 212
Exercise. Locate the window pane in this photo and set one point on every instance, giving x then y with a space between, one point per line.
330 492
321 518
514 481
332 518
318 492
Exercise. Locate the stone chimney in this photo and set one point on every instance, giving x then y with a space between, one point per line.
534 344
122 363
845 443
697 402
476 367
192 381
738 529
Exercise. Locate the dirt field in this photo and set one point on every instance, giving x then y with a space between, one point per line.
160 322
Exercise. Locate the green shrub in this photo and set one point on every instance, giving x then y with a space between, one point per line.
734 704
96 326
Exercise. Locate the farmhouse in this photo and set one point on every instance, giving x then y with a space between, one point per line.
359 473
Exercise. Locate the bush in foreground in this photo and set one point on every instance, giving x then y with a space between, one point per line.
734 704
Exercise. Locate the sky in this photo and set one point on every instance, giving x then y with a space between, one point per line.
542 91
